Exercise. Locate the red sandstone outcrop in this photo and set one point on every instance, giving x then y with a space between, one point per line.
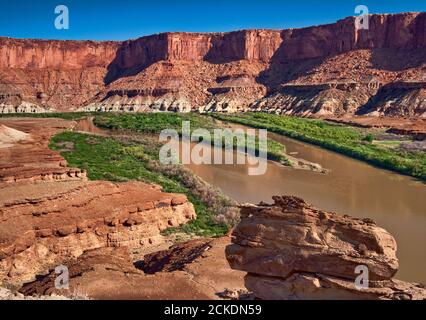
57 222
193 270
293 251
28 157
235 71
50 213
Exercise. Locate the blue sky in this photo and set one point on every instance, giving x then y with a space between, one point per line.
126 19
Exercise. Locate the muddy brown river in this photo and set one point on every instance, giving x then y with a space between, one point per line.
394 201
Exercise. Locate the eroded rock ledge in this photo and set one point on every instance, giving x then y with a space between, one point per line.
292 250
50 213
38 232
25 156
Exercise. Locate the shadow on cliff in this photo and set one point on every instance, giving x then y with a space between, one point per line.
388 59
385 92
134 56
221 52
117 68
213 57
390 92
115 72
282 69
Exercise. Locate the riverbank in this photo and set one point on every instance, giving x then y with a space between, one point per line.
369 145
154 123
136 158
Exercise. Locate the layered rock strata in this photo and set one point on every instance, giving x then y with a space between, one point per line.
343 71
50 213
291 250
54 225
25 154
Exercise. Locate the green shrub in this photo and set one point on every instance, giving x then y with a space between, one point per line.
369 138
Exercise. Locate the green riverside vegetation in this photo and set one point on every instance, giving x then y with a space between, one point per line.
62 115
351 141
123 159
354 142
156 122
134 154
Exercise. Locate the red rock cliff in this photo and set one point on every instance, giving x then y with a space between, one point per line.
403 31
189 69
41 54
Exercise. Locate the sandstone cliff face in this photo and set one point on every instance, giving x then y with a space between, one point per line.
293 251
187 71
45 54
52 74
402 31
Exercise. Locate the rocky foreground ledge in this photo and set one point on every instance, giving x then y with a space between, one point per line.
290 250
50 213
194 270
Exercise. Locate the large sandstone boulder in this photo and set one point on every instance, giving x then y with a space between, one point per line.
293 251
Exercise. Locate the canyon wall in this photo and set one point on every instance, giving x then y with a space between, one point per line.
52 54
235 71
40 75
